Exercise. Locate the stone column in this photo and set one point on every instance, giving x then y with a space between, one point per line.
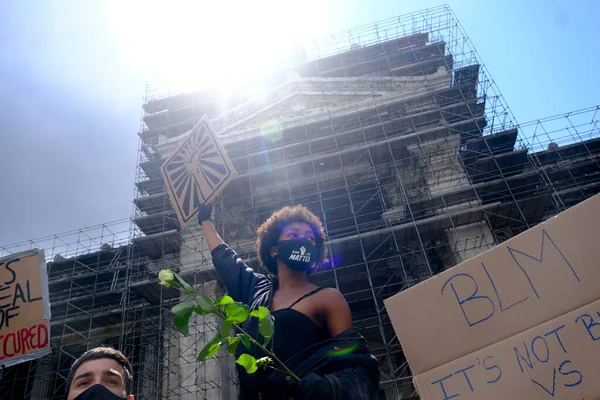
444 173
186 378
42 381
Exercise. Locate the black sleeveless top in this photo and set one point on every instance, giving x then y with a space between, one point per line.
295 331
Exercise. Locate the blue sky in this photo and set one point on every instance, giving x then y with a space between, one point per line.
72 80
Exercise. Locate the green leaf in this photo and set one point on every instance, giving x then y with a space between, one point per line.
226 328
267 341
261 313
185 308
183 312
223 301
210 349
248 362
232 344
186 286
266 327
200 311
206 304
245 340
237 312
182 323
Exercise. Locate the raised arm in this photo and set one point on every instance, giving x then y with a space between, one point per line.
239 280
211 235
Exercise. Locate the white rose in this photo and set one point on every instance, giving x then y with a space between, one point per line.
166 278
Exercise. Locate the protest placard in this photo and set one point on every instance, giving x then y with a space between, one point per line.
519 321
24 308
197 171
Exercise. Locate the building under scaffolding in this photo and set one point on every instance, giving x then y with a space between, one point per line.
393 133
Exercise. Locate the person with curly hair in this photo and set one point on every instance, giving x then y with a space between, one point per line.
313 326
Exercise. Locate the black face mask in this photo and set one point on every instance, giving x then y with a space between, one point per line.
98 392
297 254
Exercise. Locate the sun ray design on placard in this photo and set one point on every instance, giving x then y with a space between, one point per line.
197 171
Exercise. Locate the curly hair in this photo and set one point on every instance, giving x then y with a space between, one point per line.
267 235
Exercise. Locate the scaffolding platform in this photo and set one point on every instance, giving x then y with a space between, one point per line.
393 133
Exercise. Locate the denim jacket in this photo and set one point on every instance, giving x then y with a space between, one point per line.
344 362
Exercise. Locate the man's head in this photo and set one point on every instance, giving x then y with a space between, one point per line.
103 366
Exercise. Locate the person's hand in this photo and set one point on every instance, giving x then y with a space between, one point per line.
311 387
204 213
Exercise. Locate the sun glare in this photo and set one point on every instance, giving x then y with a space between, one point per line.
191 45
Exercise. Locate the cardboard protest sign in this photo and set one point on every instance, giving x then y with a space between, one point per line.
520 321
197 171
24 308
558 359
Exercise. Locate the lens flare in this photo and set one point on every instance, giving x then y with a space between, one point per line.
343 351
271 129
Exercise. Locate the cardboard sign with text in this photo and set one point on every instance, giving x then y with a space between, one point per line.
197 171
519 321
24 308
